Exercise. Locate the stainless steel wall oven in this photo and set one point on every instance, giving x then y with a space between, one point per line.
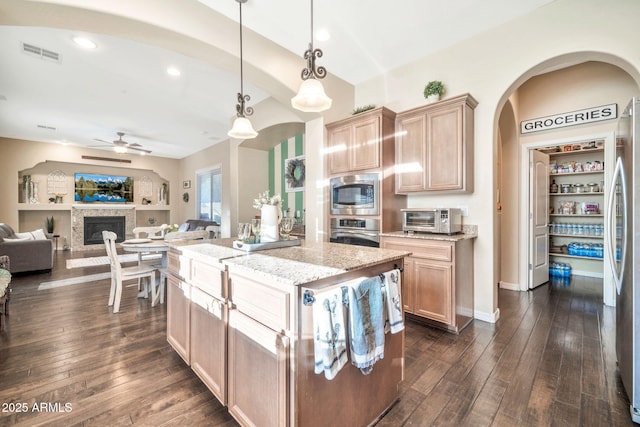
356 231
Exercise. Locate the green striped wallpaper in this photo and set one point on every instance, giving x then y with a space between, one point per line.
287 149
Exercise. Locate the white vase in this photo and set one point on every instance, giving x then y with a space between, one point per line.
433 98
269 221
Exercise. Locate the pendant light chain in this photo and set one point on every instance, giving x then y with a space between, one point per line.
242 128
312 72
241 109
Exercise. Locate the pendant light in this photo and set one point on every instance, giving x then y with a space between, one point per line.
242 128
311 96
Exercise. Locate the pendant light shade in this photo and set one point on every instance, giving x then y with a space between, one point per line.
242 128
311 97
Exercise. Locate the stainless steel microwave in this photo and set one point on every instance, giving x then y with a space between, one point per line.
432 220
355 194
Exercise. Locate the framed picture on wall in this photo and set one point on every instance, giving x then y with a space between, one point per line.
294 174
186 184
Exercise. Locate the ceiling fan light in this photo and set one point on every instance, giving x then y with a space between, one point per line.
120 150
84 42
242 129
311 97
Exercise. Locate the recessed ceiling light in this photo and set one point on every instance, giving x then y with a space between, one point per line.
84 42
173 71
323 35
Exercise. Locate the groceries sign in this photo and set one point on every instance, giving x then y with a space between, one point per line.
580 117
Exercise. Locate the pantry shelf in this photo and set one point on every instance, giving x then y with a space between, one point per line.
592 193
577 173
578 215
578 236
553 254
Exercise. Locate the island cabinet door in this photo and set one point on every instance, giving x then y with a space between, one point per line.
178 309
209 341
257 373
433 290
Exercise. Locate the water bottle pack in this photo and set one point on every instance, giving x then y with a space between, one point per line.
577 229
559 269
591 250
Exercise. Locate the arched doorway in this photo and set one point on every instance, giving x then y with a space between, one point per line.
568 83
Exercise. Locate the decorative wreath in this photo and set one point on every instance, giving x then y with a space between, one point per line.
295 173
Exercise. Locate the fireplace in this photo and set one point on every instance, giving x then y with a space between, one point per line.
95 225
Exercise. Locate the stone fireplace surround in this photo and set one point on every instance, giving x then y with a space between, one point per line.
79 212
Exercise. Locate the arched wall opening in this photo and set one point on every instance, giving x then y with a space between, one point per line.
566 83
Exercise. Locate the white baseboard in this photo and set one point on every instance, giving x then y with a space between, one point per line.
509 286
588 274
487 317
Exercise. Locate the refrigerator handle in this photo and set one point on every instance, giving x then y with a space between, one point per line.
618 172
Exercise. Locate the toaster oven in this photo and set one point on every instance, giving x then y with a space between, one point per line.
432 220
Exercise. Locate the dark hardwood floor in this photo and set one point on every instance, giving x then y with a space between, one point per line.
550 360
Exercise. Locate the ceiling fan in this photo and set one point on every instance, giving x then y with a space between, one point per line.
121 146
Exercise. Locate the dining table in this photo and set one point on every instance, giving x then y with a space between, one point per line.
146 247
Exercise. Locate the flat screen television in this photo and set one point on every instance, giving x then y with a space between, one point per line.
90 187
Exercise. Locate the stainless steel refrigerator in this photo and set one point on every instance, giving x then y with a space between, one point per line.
623 218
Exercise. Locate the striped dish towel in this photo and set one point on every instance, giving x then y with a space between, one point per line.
330 347
393 301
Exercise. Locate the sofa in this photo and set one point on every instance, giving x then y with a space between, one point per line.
25 255
198 224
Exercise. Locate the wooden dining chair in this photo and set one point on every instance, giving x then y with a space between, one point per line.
214 231
120 274
156 230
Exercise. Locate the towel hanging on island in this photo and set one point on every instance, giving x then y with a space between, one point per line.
366 323
330 346
393 301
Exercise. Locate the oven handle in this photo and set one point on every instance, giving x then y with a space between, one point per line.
356 233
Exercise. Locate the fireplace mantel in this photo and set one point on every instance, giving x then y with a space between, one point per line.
80 211
68 207
103 206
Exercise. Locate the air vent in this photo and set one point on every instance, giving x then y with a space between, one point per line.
46 127
47 55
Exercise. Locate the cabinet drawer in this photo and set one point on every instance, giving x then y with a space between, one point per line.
209 278
435 250
267 305
178 264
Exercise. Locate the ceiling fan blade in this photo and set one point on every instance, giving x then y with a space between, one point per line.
139 149
133 144
102 140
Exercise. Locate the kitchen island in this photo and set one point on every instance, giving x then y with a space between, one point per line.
243 322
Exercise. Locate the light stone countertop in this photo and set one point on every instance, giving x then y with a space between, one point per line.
293 265
468 232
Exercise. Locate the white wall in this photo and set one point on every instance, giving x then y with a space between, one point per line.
253 176
490 67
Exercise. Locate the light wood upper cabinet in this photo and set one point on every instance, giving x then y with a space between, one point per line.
356 143
434 147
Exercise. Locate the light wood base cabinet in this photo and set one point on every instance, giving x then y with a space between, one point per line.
258 373
438 279
209 341
178 312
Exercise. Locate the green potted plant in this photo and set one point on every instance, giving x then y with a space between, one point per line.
433 90
49 224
